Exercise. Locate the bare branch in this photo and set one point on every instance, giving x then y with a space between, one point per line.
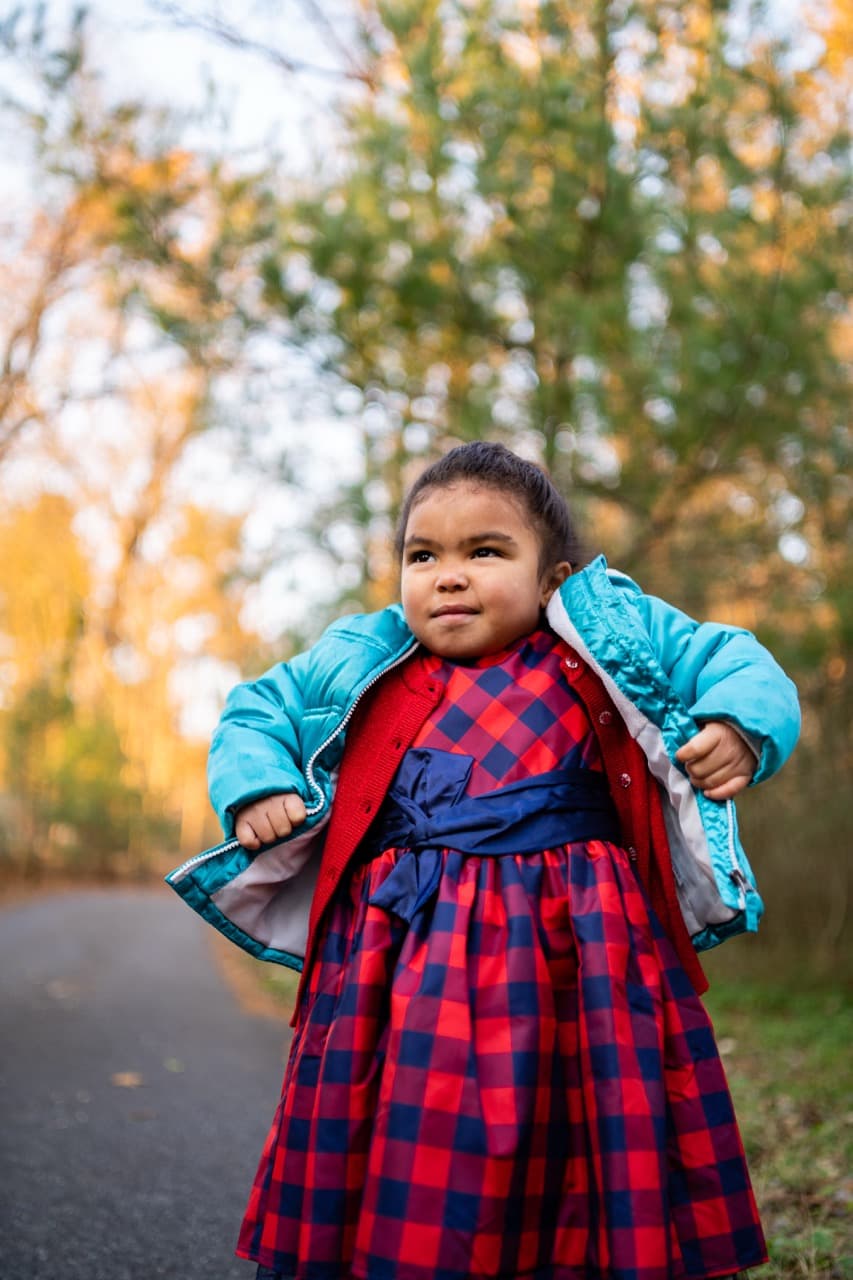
321 20
215 26
24 341
167 448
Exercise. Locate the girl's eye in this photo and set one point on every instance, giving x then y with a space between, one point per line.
419 557
486 551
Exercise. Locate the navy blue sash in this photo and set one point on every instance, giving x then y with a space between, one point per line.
426 810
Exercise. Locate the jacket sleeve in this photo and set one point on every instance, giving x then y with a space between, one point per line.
256 748
724 673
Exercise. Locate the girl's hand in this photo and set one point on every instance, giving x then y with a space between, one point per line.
269 819
718 761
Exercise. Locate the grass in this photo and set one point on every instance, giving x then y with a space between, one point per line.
788 1057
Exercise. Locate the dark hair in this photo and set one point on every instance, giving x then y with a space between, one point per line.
495 467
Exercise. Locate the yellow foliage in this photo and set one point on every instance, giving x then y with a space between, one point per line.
51 605
441 273
768 259
765 203
735 610
122 163
169 403
755 142
44 587
167 170
699 25
833 19
841 336
709 193
609 526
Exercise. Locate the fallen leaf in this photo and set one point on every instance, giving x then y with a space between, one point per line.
62 989
126 1079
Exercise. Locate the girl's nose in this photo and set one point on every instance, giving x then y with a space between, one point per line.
451 578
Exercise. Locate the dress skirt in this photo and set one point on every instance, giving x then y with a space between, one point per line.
517 1081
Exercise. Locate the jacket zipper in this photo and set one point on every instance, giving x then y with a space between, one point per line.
229 845
736 875
178 874
309 768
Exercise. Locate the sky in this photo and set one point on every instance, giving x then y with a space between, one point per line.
142 51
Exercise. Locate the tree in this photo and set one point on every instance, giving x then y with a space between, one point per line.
130 277
614 235
67 795
133 276
584 230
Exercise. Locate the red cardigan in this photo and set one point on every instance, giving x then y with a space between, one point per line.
386 723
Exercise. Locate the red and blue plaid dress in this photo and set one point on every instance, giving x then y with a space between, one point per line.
511 1075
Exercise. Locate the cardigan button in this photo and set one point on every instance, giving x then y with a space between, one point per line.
605 717
624 779
572 664
632 853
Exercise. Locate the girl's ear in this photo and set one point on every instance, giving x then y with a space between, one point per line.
554 579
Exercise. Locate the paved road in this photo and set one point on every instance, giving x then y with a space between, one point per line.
134 1092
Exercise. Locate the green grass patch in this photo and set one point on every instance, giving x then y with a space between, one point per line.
788 1059
278 982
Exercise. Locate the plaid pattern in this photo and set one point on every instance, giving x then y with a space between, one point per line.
514 713
519 1083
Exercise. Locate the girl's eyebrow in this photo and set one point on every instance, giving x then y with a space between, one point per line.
490 535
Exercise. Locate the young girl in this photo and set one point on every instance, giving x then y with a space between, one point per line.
508 804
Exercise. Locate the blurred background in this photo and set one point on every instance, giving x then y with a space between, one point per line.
260 263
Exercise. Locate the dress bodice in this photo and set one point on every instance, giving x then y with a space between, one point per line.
513 713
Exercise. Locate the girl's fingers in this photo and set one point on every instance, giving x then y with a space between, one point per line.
729 789
715 777
257 825
717 757
265 825
268 820
701 745
294 808
246 834
715 770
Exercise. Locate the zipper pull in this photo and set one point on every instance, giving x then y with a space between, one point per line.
738 878
749 899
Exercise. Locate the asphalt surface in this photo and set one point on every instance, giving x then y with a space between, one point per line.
135 1093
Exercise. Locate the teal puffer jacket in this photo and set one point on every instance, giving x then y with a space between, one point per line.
666 674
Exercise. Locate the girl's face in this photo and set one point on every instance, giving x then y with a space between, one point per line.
470 581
